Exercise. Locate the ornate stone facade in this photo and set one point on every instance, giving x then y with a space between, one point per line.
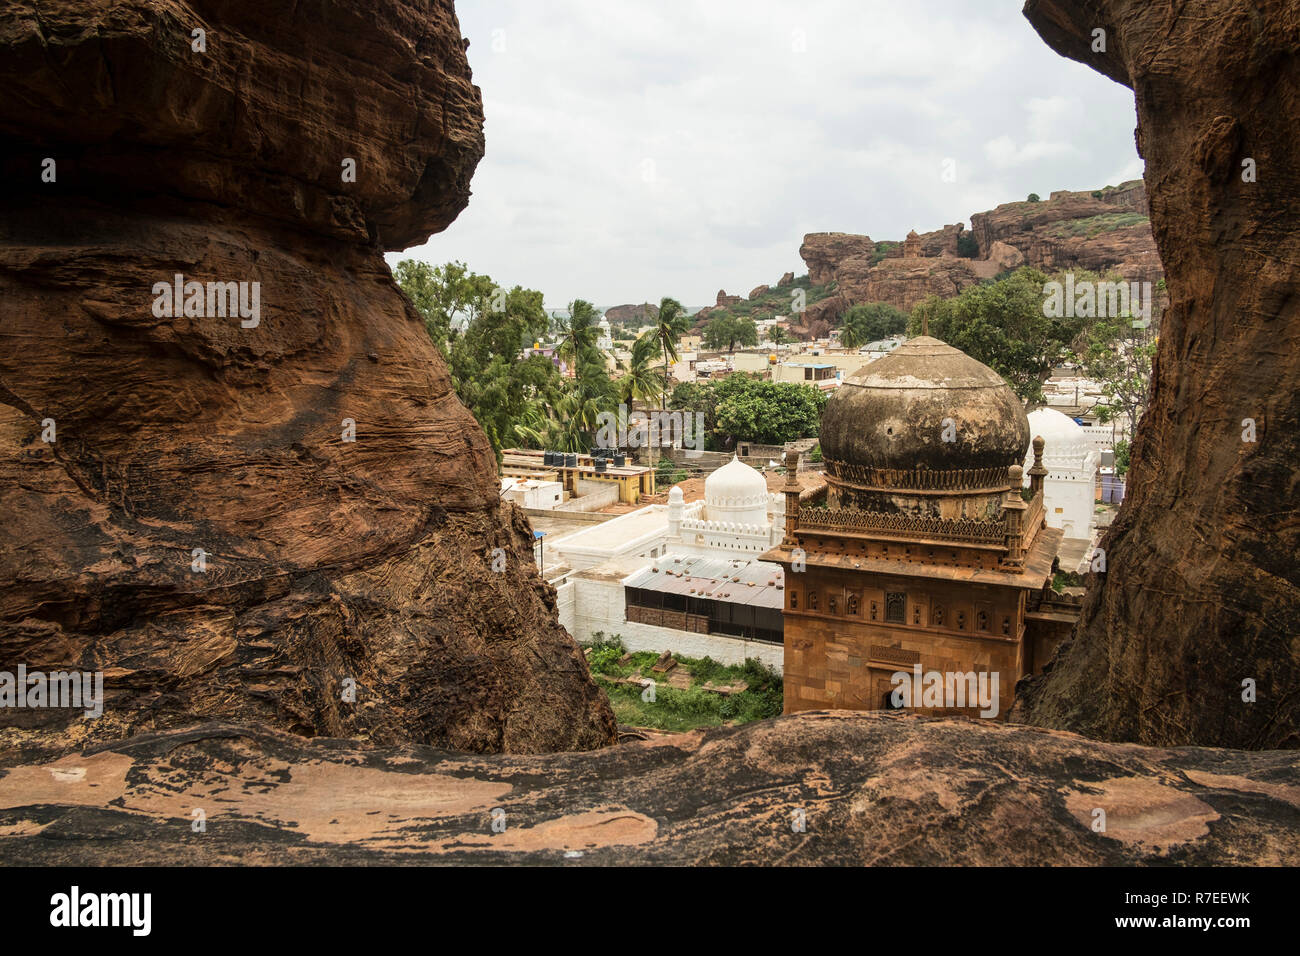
929 559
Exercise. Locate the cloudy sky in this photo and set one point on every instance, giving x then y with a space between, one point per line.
642 148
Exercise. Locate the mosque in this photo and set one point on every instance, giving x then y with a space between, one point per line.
684 577
931 555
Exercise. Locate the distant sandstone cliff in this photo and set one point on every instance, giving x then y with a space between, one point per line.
201 529
1104 231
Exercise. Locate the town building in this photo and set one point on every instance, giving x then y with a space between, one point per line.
1070 486
927 558
685 576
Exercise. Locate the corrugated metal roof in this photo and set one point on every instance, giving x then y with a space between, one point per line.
735 581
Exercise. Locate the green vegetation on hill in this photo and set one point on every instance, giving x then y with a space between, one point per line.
883 249
1095 225
773 302
684 709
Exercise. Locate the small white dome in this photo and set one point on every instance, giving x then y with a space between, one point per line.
1065 444
675 495
734 483
736 494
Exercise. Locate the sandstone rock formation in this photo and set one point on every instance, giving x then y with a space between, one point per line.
1077 230
755 292
203 528
1105 232
787 279
873 789
1200 599
635 315
902 282
822 252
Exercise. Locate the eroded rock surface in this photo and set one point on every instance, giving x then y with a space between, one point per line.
201 528
872 788
1200 602
1103 231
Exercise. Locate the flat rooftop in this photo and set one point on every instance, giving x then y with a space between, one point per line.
733 580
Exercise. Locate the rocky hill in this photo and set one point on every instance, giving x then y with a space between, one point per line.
286 517
1105 230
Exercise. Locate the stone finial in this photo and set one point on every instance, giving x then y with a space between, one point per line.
1037 472
791 491
791 470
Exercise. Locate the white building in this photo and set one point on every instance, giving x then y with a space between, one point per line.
1071 460
722 615
606 340
532 492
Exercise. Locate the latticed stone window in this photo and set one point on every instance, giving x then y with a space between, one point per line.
961 620
896 607
938 615
794 600
982 621
830 603
1006 625
812 600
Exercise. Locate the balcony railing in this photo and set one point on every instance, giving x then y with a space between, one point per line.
968 530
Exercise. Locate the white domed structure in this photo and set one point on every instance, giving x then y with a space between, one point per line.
1069 490
736 493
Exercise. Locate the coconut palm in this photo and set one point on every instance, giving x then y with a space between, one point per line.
852 335
669 325
639 380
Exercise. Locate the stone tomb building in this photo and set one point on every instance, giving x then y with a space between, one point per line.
928 553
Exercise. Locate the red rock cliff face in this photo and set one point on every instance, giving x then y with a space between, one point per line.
1202 587
201 529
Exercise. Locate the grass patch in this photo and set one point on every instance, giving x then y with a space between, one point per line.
675 709
1091 226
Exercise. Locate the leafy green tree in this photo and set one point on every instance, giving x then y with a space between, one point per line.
726 331
491 379
444 296
777 335
1033 197
768 412
870 323
1119 356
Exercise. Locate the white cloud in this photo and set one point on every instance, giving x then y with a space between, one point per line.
752 140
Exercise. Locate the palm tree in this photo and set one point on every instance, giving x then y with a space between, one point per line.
852 335
671 322
578 335
639 380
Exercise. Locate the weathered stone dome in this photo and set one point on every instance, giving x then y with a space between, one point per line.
896 412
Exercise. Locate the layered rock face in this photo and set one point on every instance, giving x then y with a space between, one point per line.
1106 232
283 514
1199 606
822 252
832 789
903 282
1077 230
